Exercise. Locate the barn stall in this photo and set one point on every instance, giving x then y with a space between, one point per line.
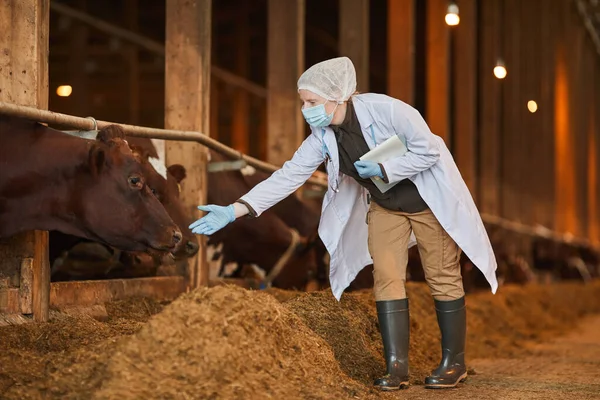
412 56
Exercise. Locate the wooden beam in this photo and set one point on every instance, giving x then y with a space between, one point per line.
490 89
438 70
581 74
585 183
77 76
285 65
597 132
512 103
132 58
545 162
596 114
215 89
401 50
24 81
530 126
593 199
565 187
465 93
354 38
88 293
187 98
10 301
26 286
240 135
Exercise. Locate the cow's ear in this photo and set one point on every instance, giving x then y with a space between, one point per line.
139 151
178 172
111 134
96 159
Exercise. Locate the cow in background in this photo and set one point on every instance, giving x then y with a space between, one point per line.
264 240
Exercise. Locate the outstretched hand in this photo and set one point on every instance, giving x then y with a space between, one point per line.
217 218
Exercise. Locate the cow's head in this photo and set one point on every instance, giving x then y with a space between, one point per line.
118 204
167 191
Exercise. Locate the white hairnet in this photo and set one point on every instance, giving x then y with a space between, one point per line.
333 79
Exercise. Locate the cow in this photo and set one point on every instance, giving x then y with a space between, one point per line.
74 259
298 214
265 240
91 189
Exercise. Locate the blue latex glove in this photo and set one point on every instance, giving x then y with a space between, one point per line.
217 218
367 169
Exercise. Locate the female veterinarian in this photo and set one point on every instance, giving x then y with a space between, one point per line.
429 206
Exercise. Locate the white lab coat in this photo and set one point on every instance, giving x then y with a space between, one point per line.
428 163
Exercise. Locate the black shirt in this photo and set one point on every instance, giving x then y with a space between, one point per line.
351 146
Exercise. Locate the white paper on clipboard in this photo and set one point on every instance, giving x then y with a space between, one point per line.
392 147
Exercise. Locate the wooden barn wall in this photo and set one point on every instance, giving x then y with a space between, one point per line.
537 168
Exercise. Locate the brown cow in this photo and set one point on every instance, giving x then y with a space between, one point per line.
262 241
73 259
301 215
92 189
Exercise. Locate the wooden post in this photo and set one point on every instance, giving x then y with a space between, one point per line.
511 134
79 99
24 81
215 86
596 116
581 75
187 95
585 177
565 189
438 70
240 135
545 193
285 65
530 126
593 199
490 102
354 38
465 92
401 50
132 57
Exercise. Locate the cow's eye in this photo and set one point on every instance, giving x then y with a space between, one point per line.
136 182
154 192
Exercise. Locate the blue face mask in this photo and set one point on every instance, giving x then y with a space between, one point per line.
317 116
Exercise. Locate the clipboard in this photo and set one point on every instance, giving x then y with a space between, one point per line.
392 147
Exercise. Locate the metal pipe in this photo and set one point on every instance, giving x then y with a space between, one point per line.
50 117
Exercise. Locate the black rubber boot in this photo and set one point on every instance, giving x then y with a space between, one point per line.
452 319
394 325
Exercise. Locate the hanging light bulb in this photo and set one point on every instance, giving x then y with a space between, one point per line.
532 106
452 17
500 70
64 90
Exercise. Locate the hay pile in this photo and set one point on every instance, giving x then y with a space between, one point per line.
227 342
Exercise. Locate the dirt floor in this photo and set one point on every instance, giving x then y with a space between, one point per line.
230 343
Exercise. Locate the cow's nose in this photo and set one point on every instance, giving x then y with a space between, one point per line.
191 248
177 237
